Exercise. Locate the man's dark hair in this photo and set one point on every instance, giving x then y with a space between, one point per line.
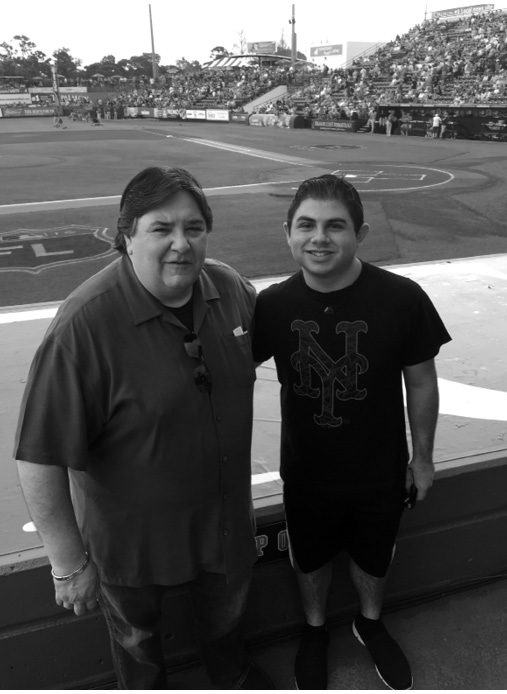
329 187
150 189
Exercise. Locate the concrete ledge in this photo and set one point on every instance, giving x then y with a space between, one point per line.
448 542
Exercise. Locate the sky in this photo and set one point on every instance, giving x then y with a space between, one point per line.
192 28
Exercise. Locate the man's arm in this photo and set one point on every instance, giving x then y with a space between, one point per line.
47 494
422 405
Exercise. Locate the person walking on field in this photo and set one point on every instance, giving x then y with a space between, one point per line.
344 334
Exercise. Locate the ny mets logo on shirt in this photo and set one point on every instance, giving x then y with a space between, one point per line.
338 379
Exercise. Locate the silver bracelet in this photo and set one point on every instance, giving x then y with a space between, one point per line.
75 573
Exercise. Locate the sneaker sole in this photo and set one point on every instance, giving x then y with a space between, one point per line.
356 634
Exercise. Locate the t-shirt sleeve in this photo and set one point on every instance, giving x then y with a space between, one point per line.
261 344
427 332
59 415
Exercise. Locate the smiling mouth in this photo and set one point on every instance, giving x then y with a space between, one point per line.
319 254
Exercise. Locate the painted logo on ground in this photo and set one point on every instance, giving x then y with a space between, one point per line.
34 250
392 177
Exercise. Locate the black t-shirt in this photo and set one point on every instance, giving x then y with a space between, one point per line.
339 358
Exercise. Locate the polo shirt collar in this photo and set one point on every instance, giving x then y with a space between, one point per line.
144 306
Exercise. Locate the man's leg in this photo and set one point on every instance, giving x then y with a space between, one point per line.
314 540
310 668
218 607
133 619
390 661
370 591
314 589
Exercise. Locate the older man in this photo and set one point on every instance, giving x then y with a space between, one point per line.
134 437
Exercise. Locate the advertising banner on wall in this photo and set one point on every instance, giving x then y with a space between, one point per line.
195 114
15 99
168 113
63 90
351 126
239 118
332 49
263 120
20 112
462 11
215 114
262 47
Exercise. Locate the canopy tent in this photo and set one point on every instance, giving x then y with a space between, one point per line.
231 61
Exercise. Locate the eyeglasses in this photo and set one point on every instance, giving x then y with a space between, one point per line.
193 348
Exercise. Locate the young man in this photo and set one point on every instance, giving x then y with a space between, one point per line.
343 333
134 437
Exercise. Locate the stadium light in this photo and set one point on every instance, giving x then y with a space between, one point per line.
153 61
292 22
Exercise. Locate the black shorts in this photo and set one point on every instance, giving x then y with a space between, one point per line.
322 523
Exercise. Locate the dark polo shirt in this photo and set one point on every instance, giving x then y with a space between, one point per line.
160 472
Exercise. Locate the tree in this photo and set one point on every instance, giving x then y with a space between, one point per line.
21 57
108 66
187 66
218 52
25 47
282 44
241 45
68 66
8 64
125 68
142 64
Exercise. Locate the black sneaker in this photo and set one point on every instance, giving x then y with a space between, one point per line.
390 661
311 659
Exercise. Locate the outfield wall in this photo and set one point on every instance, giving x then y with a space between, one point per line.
471 123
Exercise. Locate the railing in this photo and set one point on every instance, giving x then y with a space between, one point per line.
365 54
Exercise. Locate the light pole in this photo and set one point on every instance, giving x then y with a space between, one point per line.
293 50
56 88
153 61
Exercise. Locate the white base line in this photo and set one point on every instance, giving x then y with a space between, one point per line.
59 202
247 152
91 202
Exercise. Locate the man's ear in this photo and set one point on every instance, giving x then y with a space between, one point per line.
362 233
287 231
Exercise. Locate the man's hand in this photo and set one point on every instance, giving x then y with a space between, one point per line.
80 593
422 406
423 472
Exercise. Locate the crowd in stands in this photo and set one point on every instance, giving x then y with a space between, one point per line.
451 63
442 62
228 89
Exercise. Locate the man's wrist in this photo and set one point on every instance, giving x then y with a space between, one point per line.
73 574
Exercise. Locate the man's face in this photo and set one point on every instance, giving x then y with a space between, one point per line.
324 243
168 249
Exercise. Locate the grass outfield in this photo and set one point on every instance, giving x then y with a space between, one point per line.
424 199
